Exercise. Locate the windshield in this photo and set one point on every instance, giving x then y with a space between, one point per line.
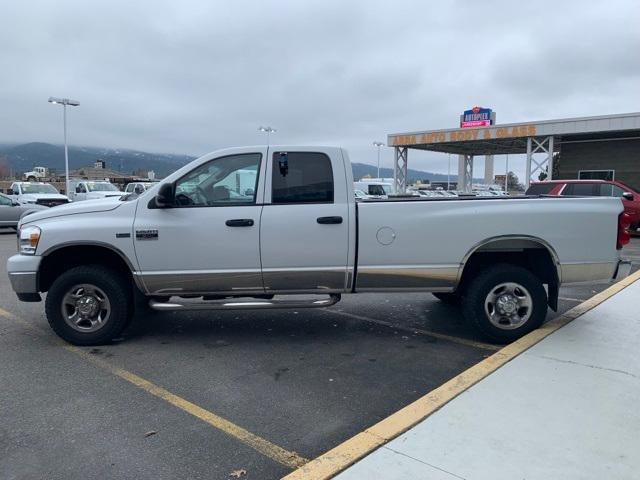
101 187
38 188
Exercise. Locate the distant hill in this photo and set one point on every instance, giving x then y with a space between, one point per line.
362 170
22 158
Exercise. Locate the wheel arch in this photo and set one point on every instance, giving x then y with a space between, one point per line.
528 251
65 256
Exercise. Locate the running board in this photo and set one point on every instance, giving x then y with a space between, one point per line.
232 304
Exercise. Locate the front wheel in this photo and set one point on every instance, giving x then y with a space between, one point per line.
505 302
89 305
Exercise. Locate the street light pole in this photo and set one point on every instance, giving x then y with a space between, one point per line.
64 102
268 131
378 144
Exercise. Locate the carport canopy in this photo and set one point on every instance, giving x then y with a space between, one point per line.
538 140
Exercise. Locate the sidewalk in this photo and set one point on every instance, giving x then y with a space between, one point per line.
567 408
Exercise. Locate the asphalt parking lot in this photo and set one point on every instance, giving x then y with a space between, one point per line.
204 394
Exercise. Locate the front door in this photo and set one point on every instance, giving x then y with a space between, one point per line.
208 242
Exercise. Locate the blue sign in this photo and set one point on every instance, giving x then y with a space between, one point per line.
476 117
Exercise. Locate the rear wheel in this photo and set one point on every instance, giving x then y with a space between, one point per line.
89 305
505 302
448 298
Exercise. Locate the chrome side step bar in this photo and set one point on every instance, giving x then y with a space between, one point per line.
252 304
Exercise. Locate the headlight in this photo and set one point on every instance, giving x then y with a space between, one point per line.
28 238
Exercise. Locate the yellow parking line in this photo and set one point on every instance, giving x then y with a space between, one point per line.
426 333
261 445
337 459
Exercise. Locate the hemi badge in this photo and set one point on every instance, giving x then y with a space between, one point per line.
123 235
146 234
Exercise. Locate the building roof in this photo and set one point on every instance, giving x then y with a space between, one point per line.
92 173
512 137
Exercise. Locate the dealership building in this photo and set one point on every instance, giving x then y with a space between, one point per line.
605 147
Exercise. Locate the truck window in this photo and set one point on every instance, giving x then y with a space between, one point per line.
223 181
610 190
579 189
301 177
540 188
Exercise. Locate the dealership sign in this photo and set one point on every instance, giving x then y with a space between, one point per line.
476 117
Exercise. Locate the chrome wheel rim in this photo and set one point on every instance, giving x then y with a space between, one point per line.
85 308
508 306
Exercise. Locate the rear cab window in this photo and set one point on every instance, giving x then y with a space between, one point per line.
540 189
301 177
580 189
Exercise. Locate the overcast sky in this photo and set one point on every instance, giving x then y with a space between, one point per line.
193 76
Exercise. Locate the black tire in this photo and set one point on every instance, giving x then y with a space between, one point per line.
482 289
448 298
110 283
31 179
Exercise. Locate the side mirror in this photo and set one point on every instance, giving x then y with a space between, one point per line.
78 190
628 196
15 203
164 197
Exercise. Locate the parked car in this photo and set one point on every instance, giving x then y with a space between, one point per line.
92 190
360 195
593 188
138 187
301 231
38 193
11 211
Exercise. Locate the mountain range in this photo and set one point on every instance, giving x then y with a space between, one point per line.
21 158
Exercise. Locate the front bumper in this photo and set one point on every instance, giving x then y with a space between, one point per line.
23 275
623 270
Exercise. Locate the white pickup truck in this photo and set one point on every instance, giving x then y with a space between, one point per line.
38 193
202 233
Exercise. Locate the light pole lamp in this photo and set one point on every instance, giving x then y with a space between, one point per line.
378 144
268 131
64 102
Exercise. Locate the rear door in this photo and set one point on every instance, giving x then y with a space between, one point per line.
304 231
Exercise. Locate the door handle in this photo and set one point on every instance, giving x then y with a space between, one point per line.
239 222
329 220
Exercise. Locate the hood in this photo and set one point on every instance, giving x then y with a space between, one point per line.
32 197
102 205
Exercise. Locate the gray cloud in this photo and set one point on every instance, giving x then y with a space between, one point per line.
193 76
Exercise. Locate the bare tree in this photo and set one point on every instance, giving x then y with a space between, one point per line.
5 170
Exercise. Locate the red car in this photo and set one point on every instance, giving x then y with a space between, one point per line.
593 188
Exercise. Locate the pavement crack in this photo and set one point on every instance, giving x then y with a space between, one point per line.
615 370
425 463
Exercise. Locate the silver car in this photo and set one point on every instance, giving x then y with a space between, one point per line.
11 211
